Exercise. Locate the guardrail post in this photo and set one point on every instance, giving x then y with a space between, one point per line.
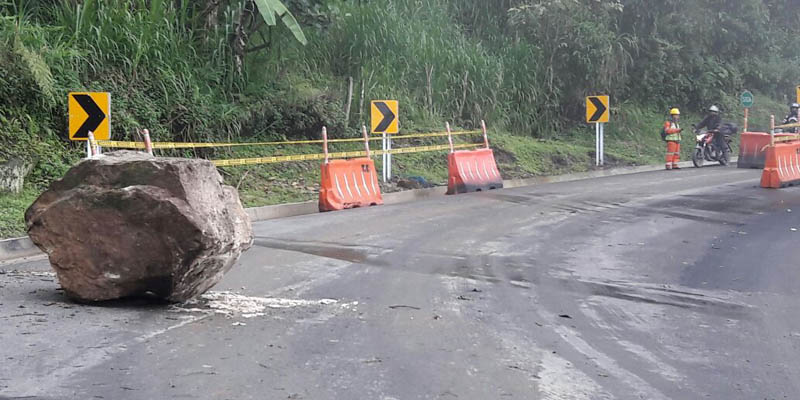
325 143
449 137
148 145
772 130
366 140
485 136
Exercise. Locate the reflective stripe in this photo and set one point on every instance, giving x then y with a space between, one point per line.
347 186
355 184
338 188
372 179
797 162
364 181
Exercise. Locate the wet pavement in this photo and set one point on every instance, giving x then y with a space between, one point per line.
665 285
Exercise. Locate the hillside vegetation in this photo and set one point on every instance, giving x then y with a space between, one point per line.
243 70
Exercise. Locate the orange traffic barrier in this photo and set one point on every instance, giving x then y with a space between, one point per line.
473 170
782 166
348 183
752 149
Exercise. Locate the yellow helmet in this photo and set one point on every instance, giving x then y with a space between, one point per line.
675 111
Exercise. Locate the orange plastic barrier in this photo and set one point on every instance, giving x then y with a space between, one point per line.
349 184
472 171
752 152
782 166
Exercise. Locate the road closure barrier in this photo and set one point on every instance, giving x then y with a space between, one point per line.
349 179
348 183
472 170
752 148
782 165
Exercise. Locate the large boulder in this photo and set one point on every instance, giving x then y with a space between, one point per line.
128 224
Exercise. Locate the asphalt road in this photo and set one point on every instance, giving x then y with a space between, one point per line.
665 285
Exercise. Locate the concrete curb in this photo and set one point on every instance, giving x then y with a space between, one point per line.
578 176
23 247
310 207
11 249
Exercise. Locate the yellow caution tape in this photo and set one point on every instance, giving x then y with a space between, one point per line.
782 139
787 138
188 145
429 135
339 155
794 125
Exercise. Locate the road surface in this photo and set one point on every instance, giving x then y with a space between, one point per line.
664 285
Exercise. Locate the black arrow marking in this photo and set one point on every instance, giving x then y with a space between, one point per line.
388 117
601 109
96 116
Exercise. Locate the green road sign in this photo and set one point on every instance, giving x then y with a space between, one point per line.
747 99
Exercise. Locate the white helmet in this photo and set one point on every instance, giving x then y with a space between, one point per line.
714 108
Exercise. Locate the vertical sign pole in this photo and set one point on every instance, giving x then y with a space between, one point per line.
389 146
746 118
92 144
88 149
596 144
602 144
385 154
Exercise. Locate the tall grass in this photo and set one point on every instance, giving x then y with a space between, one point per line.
411 50
419 51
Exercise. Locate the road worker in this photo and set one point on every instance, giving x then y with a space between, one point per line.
672 131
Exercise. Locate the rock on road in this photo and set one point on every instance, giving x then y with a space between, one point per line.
664 285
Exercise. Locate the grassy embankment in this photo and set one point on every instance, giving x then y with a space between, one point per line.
168 72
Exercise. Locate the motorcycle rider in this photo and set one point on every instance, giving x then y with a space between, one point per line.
793 117
711 123
673 131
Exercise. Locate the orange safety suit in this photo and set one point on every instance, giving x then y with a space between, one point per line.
673 131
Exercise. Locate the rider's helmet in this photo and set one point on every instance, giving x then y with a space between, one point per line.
675 111
713 109
795 106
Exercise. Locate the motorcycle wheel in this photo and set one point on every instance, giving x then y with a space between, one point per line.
708 153
698 157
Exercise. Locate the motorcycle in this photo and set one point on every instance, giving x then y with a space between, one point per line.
706 150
